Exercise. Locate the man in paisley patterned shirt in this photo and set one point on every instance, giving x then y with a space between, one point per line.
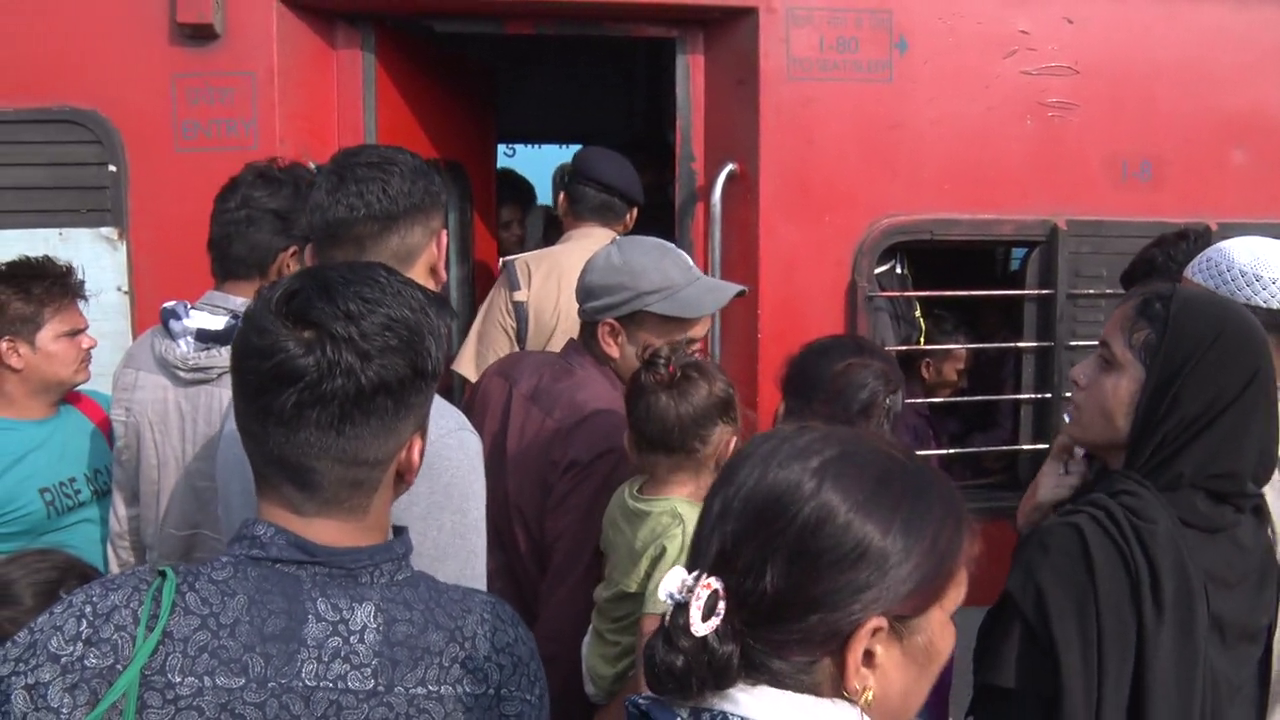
315 610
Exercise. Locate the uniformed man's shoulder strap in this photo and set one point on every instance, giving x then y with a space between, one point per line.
519 308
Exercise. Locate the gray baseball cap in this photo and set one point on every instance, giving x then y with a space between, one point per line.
637 272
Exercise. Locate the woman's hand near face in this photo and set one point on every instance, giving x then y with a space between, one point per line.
1059 477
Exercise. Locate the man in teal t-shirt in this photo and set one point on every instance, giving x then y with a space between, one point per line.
55 447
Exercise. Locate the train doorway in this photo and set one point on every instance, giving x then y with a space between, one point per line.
471 92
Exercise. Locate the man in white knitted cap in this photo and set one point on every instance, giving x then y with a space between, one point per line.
1247 269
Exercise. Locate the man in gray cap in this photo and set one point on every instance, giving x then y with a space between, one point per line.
532 305
553 424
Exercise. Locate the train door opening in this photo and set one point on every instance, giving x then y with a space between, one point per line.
475 94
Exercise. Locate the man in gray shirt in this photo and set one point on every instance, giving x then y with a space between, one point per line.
387 204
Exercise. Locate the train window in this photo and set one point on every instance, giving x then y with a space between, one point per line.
62 193
1033 296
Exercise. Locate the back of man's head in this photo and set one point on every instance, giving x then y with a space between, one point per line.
602 188
376 202
1164 258
1245 269
333 372
256 219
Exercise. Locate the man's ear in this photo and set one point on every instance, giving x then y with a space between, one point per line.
440 268
409 461
630 222
926 369
286 263
13 354
611 338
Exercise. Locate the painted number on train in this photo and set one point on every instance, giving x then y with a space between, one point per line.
215 111
842 45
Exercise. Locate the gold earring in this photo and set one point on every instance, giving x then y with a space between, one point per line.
866 696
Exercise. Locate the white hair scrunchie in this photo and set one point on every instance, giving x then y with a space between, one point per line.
680 586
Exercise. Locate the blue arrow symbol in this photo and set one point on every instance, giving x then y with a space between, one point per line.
901 45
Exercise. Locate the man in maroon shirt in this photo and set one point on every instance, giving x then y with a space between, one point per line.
553 423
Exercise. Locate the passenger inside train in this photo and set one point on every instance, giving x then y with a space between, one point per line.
584 540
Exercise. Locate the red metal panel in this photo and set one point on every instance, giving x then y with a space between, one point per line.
439 105
307 75
190 113
730 127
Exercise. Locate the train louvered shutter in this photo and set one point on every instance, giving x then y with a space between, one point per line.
58 169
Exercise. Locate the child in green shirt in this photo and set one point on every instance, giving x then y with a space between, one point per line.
682 418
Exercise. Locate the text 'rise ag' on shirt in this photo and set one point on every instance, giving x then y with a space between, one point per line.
55 484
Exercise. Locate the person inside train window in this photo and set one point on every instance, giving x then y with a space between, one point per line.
532 306
1164 258
990 372
334 368
842 380
809 593
682 425
32 581
1151 593
931 374
553 426
516 199
387 204
55 441
173 385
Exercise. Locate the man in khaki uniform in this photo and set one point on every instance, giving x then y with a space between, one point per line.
533 305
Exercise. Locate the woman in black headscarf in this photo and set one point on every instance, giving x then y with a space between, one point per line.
1152 593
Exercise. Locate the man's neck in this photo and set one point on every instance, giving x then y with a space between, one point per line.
372 529
244 289
17 404
572 225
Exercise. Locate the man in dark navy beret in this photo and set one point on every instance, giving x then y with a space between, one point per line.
533 306
607 171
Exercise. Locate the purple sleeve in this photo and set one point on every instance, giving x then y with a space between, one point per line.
938 706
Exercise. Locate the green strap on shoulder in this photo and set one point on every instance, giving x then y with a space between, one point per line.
143 646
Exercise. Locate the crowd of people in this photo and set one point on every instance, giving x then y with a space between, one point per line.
274 514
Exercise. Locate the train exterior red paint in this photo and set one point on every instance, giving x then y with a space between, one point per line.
849 121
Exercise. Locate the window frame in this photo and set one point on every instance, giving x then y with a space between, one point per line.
107 134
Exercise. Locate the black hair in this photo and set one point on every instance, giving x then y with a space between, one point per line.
375 202
1150 304
33 288
257 214
590 205
813 530
32 581
940 328
676 403
333 369
559 180
515 189
1164 258
843 380
589 331
552 228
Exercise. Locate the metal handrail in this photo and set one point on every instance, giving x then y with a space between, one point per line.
715 245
